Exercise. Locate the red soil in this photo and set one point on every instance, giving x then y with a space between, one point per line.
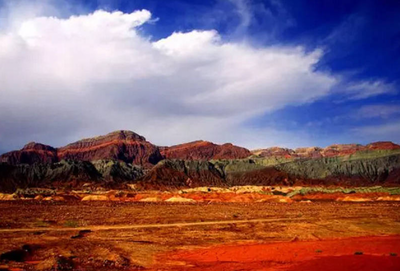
337 254
205 197
335 196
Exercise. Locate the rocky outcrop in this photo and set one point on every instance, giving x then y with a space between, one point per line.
341 150
170 174
31 153
204 150
117 171
309 152
274 151
68 174
383 145
124 146
381 170
179 173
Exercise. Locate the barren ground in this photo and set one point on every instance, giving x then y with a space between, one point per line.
200 236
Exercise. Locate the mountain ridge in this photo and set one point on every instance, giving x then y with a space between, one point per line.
128 146
123 158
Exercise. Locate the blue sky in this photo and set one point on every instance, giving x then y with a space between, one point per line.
353 45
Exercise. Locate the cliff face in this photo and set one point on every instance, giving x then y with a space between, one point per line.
321 171
372 171
117 172
204 150
65 174
179 173
68 174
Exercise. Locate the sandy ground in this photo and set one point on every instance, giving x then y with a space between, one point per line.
203 236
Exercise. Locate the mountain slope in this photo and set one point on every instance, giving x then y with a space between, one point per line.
330 151
31 153
204 150
124 146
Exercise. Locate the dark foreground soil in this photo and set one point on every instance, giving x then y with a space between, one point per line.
74 235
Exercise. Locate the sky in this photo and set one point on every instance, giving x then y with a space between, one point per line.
250 72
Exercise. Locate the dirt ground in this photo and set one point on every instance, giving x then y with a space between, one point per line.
75 235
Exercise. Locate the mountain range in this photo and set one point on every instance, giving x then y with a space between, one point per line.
124 158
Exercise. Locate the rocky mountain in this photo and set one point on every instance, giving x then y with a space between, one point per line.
123 158
31 153
204 150
123 146
330 151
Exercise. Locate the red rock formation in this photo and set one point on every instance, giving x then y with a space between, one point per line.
383 145
341 149
120 145
126 146
330 151
309 152
31 153
274 151
130 147
204 150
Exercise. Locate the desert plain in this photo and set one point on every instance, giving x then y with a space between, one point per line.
131 233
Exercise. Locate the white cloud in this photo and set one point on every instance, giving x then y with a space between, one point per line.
380 132
378 111
366 89
63 79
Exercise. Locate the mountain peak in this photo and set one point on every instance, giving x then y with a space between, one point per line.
116 135
118 145
37 146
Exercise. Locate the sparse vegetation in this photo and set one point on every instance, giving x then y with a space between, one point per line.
71 224
32 192
299 214
375 189
41 223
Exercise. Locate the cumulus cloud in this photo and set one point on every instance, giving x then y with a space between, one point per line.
66 78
